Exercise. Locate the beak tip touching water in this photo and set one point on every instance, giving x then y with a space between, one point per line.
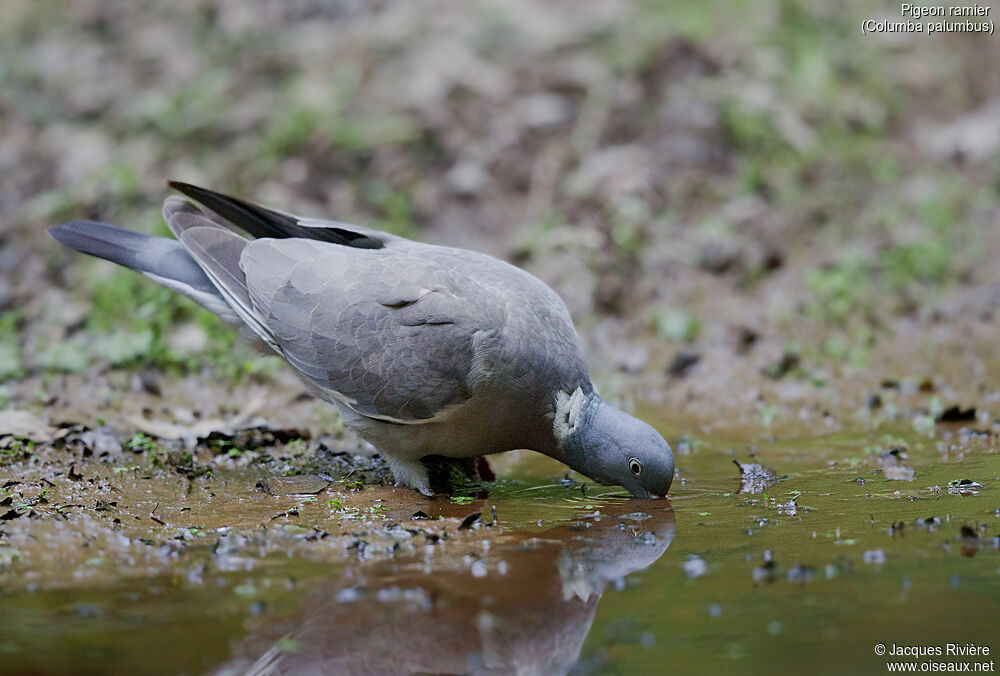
645 494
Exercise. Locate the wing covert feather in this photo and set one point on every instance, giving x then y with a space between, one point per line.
387 332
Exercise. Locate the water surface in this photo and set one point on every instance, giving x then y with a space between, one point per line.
808 575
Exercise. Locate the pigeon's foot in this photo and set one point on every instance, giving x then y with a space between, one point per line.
411 474
448 475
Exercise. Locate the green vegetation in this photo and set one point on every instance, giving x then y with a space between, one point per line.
134 322
141 443
356 512
16 451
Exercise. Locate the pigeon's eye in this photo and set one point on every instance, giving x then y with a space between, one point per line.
635 466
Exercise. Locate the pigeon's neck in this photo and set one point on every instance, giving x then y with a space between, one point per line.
572 413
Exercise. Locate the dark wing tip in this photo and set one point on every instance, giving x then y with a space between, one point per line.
201 195
263 222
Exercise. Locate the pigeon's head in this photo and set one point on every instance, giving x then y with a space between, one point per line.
612 447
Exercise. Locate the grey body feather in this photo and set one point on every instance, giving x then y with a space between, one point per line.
424 349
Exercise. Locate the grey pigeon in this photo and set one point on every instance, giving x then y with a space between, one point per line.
424 350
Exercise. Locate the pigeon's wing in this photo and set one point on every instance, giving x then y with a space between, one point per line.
260 221
388 332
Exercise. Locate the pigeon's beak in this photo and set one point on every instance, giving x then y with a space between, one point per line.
649 495
644 494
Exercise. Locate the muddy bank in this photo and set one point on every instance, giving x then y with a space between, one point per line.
105 506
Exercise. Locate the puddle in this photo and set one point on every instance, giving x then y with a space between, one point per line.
831 550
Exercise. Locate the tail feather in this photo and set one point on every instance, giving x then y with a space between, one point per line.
163 260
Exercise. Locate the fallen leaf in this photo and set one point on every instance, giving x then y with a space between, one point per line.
299 484
25 425
168 430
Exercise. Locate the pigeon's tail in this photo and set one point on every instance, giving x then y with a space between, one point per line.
163 260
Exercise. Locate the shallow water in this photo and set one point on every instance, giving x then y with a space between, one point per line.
569 578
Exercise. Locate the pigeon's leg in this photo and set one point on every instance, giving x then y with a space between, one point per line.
410 473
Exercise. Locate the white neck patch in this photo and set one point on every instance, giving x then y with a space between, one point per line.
568 410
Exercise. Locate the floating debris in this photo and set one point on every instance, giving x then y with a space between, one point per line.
695 566
930 523
765 573
892 466
790 508
875 556
970 541
567 482
801 574
754 477
964 487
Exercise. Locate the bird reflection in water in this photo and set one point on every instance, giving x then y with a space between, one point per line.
523 606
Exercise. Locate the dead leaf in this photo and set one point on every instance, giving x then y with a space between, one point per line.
164 429
300 484
25 425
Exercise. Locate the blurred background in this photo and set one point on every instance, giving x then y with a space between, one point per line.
754 212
